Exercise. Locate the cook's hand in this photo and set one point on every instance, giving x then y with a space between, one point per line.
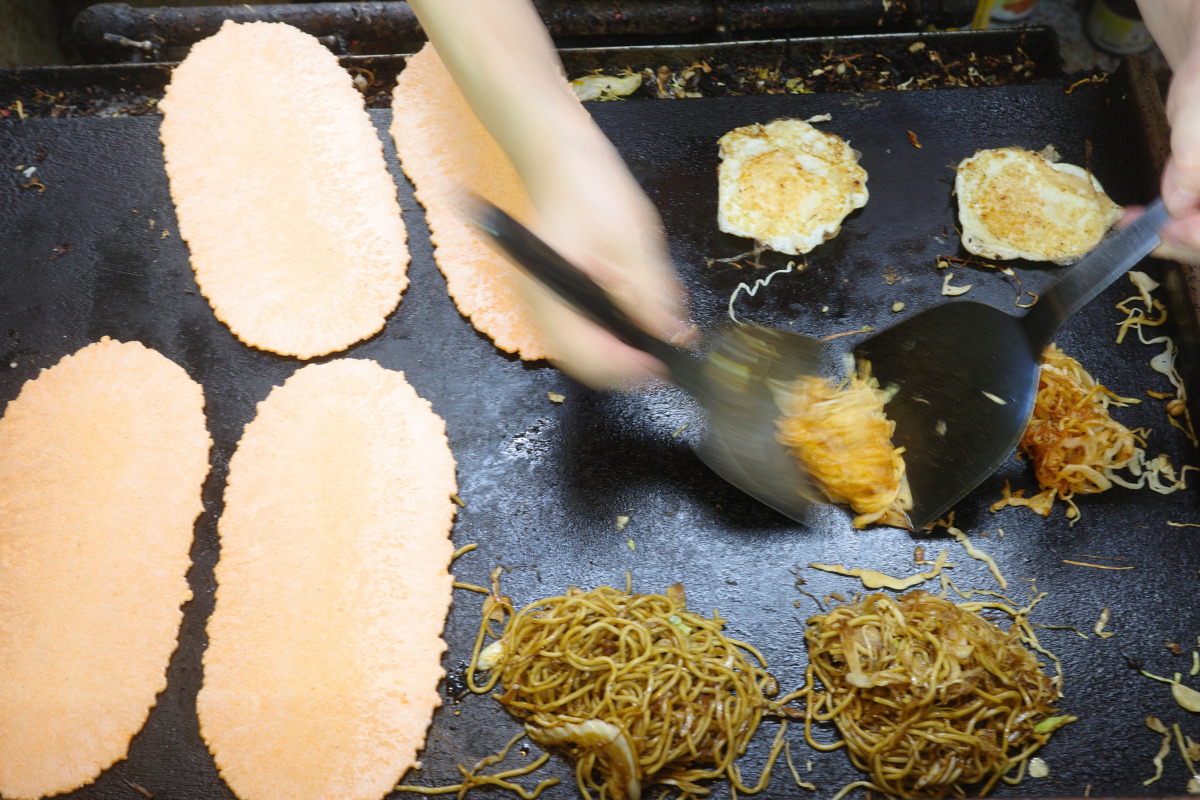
1181 178
594 213
1175 25
592 210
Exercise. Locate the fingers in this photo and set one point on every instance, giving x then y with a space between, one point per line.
593 212
1181 187
591 354
1181 240
616 240
1180 237
588 353
1181 177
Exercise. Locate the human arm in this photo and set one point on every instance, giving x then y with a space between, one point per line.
589 206
1175 26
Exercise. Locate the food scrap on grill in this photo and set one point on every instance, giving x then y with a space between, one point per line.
953 291
104 457
1189 751
582 669
1187 697
597 86
872 579
281 191
759 283
901 69
787 185
1076 447
1071 439
947 261
843 439
1014 203
885 69
1154 315
324 650
930 698
448 154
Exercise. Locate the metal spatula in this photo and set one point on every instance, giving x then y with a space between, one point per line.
733 379
967 373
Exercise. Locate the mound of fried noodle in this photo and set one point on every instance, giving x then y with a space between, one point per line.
842 438
929 697
635 688
1071 439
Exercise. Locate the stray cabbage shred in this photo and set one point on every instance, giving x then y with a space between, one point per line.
1164 362
597 86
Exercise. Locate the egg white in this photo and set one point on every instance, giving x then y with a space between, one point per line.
787 185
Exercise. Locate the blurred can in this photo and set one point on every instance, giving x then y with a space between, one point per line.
1116 26
1012 10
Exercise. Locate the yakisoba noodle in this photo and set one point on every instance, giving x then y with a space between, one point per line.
929 697
843 439
1071 439
637 689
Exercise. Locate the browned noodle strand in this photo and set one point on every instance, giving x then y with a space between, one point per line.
637 689
929 697
471 777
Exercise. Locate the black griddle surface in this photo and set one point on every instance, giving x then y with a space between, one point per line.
544 483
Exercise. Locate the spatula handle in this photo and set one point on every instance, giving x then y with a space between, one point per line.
1087 279
578 290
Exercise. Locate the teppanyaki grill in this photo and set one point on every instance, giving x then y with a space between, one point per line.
106 32
913 60
544 483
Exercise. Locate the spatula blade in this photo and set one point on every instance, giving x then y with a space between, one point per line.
955 431
743 370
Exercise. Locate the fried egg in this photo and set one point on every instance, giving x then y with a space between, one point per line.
1013 203
787 185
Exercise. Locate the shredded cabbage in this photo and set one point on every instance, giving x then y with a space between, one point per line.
953 291
1155 724
1041 503
1164 362
877 580
843 439
1077 448
979 555
1071 439
758 284
606 87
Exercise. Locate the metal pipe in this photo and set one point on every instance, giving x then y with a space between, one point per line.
113 32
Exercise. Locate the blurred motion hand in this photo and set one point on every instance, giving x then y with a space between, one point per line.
1175 25
594 213
590 207
1181 178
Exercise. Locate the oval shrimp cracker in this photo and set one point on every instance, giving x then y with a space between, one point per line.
324 651
447 153
281 191
102 461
